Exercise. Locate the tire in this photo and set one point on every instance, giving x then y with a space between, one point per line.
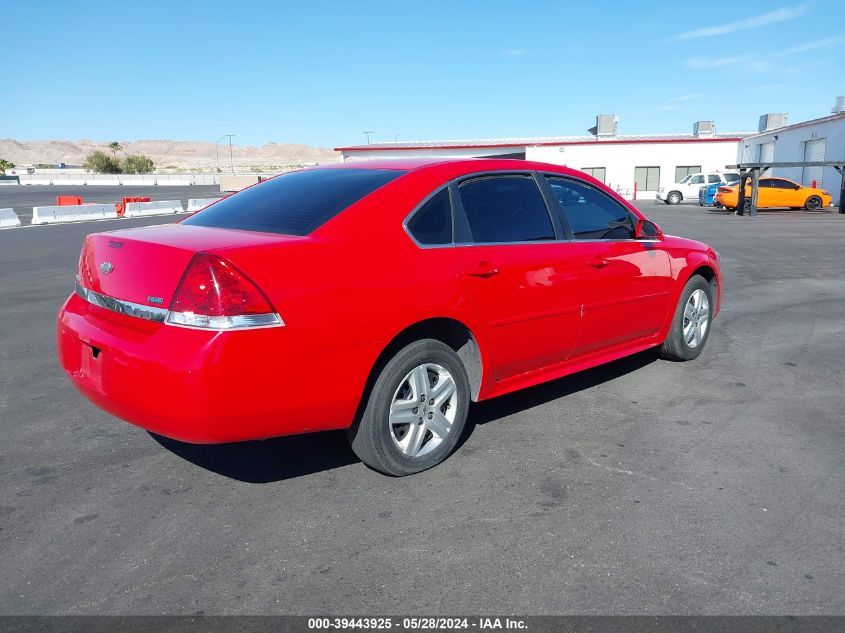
814 203
684 344
674 197
380 436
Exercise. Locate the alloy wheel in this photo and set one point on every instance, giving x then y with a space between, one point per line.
696 318
423 409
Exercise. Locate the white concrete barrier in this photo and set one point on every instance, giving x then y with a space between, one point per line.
196 204
73 213
9 219
160 207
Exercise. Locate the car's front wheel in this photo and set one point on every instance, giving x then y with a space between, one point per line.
415 412
814 203
674 197
691 321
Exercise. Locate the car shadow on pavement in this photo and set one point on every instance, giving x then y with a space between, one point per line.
267 461
503 406
283 458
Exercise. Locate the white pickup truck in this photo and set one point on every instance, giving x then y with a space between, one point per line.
687 189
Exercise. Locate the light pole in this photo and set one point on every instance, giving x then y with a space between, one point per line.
217 144
368 136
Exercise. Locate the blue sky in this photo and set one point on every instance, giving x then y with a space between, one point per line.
321 73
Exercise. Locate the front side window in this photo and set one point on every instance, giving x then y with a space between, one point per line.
505 209
294 203
713 178
431 224
696 180
590 213
647 178
683 171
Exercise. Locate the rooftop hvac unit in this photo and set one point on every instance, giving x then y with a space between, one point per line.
839 106
704 128
772 121
606 125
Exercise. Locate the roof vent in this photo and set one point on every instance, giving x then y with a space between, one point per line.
606 125
839 106
704 128
772 121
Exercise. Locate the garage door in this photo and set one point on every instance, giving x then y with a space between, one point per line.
813 150
766 152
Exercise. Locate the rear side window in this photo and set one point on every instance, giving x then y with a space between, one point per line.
432 223
591 214
294 203
505 209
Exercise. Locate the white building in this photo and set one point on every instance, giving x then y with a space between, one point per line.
816 140
618 160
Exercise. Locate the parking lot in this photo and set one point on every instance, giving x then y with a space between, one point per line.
643 486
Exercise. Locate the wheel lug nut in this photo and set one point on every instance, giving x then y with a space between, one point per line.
430 415
431 401
416 409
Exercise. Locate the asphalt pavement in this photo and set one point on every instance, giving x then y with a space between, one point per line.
641 487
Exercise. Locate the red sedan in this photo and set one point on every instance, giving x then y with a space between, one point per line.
379 297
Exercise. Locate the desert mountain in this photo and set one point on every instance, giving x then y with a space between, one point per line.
171 155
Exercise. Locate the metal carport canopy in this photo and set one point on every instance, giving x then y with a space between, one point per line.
754 170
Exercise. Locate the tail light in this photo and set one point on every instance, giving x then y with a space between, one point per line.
214 294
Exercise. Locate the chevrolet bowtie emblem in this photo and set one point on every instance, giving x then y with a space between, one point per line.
106 268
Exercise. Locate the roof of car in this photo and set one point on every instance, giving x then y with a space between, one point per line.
413 164
405 164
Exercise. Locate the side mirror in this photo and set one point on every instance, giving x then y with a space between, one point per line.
648 230
797 187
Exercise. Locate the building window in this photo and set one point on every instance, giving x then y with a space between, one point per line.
647 178
685 170
599 173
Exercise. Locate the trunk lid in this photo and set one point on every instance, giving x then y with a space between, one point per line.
145 265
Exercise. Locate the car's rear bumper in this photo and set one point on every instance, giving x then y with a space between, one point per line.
188 384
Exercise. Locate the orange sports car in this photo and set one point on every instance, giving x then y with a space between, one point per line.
776 192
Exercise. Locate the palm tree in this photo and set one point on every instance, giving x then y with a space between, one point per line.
5 164
115 147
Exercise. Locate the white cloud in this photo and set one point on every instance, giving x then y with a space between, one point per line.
683 98
809 46
758 63
783 14
704 62
513 52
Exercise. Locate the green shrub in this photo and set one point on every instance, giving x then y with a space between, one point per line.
137 164
101 163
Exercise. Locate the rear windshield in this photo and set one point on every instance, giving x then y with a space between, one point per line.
294 203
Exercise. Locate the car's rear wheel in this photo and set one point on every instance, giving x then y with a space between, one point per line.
814 203
674 198
415 412
691 322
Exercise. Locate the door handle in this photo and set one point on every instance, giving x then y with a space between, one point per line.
597 262
482 269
